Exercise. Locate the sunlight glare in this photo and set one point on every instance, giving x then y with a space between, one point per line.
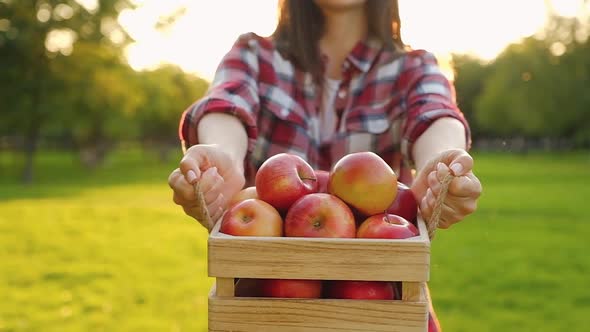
199 38
473 27
60 40
567 7
90 5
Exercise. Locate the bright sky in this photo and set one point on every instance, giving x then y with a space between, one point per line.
207 30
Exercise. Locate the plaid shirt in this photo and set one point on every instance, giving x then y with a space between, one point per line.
385 101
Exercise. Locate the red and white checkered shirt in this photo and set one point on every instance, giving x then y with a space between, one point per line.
384 103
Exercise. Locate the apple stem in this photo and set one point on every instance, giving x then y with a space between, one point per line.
387 218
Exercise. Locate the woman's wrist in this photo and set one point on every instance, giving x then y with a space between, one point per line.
444 134
227 133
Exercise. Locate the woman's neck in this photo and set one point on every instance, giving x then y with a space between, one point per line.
342 31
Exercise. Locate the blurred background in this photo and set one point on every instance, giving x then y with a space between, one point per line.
91 93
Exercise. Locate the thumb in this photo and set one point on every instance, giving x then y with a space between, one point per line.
458 160
193 163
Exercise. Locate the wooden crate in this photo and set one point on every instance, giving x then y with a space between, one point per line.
231 257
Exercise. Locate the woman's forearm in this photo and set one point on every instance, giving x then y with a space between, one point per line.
443 134
227 132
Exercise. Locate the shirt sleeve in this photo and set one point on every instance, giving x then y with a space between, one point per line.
429 97
234 90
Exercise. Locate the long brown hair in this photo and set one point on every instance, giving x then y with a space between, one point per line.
301 24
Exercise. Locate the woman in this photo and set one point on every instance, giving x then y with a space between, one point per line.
334 78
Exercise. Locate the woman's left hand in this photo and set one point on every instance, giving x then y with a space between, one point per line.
463 191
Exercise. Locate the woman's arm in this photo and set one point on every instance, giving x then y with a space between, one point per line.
216 132
443 134
226 131
435 140
233 95
441 150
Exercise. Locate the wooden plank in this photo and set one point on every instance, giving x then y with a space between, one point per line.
224 287
319 258
412 291
423 230
319 315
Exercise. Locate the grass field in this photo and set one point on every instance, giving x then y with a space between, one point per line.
107 250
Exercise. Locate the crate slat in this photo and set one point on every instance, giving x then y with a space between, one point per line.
319 258
316 315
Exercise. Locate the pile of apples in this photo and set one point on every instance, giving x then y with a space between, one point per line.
359 197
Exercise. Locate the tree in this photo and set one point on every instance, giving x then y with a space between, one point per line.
471 73
102 101
35 34
168 91
539 87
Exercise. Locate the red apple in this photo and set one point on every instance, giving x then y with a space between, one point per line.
284 178
364 181
360 290
322 178
247 287
386 226
252 217
405 204
242 195
320 215
291 288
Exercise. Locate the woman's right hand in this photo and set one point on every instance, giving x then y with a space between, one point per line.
219 175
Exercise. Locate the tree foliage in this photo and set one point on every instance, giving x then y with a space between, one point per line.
537 88
64 77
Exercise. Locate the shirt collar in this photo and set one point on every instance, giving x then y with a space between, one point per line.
364 54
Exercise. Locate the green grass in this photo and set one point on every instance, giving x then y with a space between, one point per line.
107 250
99 251
519 263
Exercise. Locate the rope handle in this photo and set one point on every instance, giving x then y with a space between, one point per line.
203 216
434 221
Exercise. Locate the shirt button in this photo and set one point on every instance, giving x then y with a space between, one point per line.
346 65
341 93
285 112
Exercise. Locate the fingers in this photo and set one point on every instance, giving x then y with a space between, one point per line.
183 191
467 185
462 193
216 209
190 168
185 195
172 178
450 213
453 208
459 160
461 198
433 182
211 183
195 160
462 163
218 176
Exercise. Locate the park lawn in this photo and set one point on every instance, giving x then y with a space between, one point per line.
107 250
